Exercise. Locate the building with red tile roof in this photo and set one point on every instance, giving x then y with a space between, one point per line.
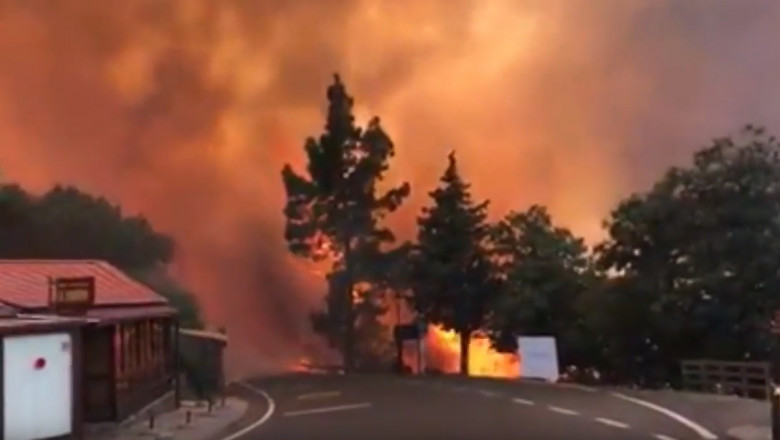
25 283
130 338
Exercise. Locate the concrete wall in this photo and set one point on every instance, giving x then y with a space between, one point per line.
202 360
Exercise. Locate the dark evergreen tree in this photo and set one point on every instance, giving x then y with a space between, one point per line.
334 209
67 223
452 275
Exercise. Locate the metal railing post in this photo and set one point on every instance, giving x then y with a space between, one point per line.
773 376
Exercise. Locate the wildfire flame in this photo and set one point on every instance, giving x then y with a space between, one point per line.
483 359
302 365
443 346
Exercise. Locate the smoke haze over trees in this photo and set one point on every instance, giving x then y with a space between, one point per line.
65 223
689 268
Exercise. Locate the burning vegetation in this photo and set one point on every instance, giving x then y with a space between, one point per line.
484 359
334 212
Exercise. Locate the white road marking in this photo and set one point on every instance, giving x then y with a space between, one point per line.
264 418
559 410
319 395
488 393
327 409
613 423
664 437
522 401
698 429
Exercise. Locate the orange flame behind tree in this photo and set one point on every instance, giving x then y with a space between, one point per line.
443 345
484 360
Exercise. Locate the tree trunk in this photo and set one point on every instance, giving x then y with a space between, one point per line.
465 340
349 333
349 314
399 346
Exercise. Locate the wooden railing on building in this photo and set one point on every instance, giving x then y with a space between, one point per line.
745 379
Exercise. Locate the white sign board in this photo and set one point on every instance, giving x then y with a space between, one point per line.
538 357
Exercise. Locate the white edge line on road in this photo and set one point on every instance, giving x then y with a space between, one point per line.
702 431
559 410
663 437
264 418
610 422
522 401
326 409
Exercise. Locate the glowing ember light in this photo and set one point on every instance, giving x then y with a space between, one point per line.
302 365
483 359
358 295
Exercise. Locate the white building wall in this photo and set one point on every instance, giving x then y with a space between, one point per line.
37 401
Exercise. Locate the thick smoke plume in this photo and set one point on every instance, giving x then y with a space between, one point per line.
185 110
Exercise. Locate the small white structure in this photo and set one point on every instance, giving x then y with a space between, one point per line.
39 380
538 357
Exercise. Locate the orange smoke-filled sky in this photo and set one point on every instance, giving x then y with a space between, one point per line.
186 110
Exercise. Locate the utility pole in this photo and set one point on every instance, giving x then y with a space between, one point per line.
774 373
774 388
422 331
399 344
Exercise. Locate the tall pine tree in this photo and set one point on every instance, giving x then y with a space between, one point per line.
452 276
334 209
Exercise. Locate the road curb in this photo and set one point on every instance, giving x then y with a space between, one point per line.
255 409
236 424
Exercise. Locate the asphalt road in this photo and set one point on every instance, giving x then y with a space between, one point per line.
386 407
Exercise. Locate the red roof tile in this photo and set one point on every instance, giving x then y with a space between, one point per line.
24 283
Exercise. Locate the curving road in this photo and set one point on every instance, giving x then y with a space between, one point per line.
383 407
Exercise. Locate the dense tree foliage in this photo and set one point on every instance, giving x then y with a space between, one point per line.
545 272
700 251
335 209
67 223
452 276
